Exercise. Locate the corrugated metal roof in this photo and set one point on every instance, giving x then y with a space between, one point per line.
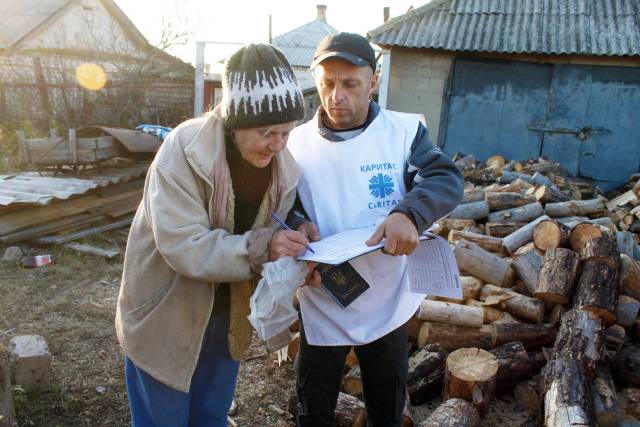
588 27
34 188
299 44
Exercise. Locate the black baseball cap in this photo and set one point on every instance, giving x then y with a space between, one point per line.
348 46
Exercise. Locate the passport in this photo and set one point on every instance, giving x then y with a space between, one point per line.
342 282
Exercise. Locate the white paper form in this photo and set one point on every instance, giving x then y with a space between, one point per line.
341 247
433 270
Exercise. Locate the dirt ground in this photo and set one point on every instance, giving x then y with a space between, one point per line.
72 305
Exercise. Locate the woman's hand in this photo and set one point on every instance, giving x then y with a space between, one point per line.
313 277
287 243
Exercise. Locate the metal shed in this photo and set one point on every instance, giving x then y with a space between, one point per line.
524 78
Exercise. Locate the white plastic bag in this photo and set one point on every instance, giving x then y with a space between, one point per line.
272 310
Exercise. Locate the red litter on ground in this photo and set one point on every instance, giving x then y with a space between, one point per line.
37 260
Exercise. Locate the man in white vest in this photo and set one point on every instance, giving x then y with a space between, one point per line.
361 166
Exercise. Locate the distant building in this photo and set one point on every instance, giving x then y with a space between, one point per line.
523 79
298 46
45 46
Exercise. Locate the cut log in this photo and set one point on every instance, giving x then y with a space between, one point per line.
294 347
508 177
450 313
549 234
488 243
500 201
519 305
532 336
582 233
539 179
555 315
526 248
496 162
557 276
605 399
502 229
517 186
568 399
412 326
490 314
606 223
524 213
629 401
448 224
615 337
523 235
597 290
474 210
629 283
352 382
575 207
426 373
349 411
471 375
528 268
545 195
515 366
580 338
626 242
452 337
484 265
621 200
601 249
453 413
627 310
634 333
626 367
471 196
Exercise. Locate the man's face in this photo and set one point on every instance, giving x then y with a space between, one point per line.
258 145
344 90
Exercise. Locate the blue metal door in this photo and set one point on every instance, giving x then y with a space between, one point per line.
585 117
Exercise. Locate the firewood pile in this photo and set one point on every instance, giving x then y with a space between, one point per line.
551 291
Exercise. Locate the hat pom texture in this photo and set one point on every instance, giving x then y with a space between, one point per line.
260 89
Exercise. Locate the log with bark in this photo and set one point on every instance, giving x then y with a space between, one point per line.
524 213
528 268
582 233
7 413
470 374
580 338
527 395
626 367
626 242
426 373
575 207
474 210
557 276
352 382
519 305
450 313
490 314
545 195
550 234
615 337
597 290
502 229
601 249
629 283
488 243
532 336
474 195
629 401
522 235
605 399
448 224
568 400
500 201
453 413
555 315
482 264
627 310
451 337
516 365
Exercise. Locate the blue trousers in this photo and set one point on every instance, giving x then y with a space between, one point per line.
154 404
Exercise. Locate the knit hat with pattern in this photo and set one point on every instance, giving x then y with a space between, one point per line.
259 89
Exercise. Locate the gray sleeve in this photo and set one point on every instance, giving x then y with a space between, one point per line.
434 183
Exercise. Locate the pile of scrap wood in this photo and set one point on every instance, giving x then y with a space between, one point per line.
551 291
47 209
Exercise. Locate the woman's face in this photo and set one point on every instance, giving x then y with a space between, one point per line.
258 145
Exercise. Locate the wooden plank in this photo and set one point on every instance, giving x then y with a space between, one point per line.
61 225
73 146
109 254
66 238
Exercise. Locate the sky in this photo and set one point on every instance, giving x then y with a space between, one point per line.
245 21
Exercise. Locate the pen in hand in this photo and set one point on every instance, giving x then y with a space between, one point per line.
286 227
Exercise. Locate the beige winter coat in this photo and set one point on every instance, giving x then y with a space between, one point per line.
180 245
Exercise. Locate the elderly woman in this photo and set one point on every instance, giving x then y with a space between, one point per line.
200 236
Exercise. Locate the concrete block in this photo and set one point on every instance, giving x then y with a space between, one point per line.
12 254
30 362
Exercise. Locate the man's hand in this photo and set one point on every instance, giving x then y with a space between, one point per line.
313 277
310 231
287 243
400 234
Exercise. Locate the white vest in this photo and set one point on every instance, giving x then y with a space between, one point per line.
353 184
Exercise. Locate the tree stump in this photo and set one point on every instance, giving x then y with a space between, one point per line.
453 413
598 290
568 399
471 375
426 373
557 276
550 234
